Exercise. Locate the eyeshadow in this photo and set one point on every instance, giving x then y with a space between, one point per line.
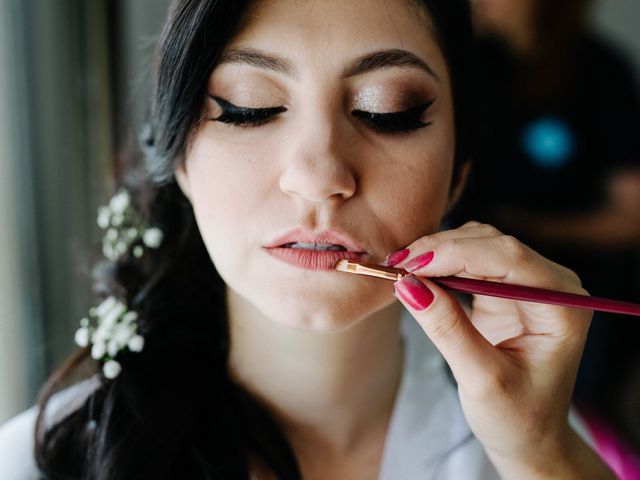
382 99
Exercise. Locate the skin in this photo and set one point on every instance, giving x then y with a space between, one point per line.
300 337
316 165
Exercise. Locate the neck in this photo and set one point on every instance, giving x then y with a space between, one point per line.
332 390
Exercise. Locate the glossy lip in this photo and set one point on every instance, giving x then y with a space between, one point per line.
315 259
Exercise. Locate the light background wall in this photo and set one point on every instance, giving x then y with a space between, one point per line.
55 148
14 388
620 21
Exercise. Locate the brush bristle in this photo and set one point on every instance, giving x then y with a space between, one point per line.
344 266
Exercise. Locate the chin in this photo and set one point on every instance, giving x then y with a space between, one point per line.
320 310
321 319
307 300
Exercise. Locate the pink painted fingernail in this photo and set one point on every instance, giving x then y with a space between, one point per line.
395 258
419 262
414 292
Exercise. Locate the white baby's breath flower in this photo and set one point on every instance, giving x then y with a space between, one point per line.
122 333
117 219
104 215
120 307
114 330
138 251
152 237
111 369
113 348
132 233
136 343
107 251
111 235
119 202
98 350
130 317
120 248
106 305
100 334
82 337
110 318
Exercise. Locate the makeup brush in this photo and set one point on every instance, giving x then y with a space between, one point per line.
498 289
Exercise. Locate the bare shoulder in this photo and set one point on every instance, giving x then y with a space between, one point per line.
16 447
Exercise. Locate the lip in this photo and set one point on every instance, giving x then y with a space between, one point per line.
315 259
302 235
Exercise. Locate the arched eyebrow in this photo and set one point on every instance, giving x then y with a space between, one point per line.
259 59
377 60
386 59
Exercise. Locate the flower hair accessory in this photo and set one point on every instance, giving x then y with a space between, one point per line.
109 329
125 227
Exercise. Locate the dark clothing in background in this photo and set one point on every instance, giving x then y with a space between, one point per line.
555 156
600 110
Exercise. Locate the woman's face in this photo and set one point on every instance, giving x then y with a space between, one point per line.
326 123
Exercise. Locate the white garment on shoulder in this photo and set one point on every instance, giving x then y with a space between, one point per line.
428 437
16 447
17 436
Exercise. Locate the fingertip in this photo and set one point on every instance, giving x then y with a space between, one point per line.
395 258
420 261
414 293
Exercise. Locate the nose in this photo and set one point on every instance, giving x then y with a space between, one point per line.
315 165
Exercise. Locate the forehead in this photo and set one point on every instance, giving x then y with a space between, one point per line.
330 33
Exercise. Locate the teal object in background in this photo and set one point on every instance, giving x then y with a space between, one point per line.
549 142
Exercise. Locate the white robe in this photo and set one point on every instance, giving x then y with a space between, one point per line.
428 437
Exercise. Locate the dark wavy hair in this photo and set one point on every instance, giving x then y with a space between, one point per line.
174 412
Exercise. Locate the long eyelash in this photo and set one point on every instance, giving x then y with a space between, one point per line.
244 117
396 122
390 123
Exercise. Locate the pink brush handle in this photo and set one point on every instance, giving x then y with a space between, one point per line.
539 295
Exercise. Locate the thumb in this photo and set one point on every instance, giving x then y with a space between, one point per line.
444 321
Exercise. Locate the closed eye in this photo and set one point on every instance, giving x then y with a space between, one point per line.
386 122
244 116
395 122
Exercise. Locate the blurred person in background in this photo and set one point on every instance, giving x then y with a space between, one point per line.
560 119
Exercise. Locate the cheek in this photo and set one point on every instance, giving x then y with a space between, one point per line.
413 193
422 203
227 183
